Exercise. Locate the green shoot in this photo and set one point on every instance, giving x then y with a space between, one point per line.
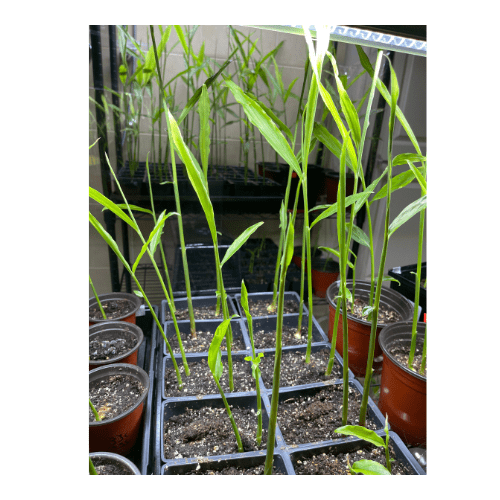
216 367
97 299
424 353
255 360
94 411
113 245
92 470
369 467
271 432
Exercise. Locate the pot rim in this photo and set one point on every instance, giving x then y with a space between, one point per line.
118 325
119 458
115 295
387 293
405 333
127 369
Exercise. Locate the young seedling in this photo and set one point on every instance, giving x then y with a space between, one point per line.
94 411
97 299
92 470
255 360
200 186
216 367
151 240
370 467
150 247
271 431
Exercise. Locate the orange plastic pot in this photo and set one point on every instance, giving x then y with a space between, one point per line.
403 392
323 276
117 329
109 297
359 329
118 434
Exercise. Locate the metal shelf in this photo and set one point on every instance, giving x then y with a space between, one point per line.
359 35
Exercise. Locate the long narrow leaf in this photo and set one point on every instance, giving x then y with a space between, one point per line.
159 224
370 468
195 175
349 200
362 433
365 62
204 112
266 126
397 182
207 83
331 142
407 213
109 240
360 236
214 353
239 241
419 176
337 254
106 202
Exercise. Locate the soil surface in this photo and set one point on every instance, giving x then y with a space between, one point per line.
107 467
309 419
386 315
257 470
208 431
201 380
100 350
264 339
329 463
200 312
202 342
402 354
114 395
259 307
112 308
294 370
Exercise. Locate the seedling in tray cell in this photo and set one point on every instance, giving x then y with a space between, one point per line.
254 359
369 467
216 367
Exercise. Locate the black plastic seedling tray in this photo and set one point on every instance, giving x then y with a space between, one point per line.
202 272
243 460
267 386
267 296
203 301
290 393
176 406
268 324
142 453
236 357
209 325
402 453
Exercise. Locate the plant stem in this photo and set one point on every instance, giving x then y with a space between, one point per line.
424 353
97 298
94 411
271 431
334 341
177 204
417 289
233 423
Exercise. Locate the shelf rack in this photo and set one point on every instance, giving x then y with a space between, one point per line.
405 39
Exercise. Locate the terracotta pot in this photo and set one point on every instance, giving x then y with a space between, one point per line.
403 392
332 185
109 297
118 434
323 276
117 329
359 329
102 456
